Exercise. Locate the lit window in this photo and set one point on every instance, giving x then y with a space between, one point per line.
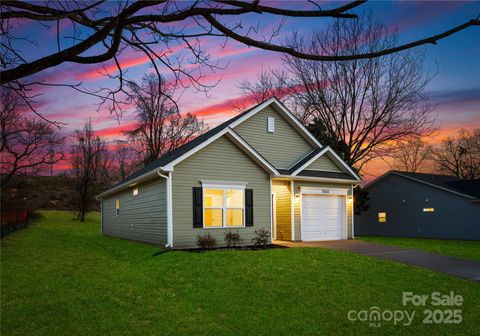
135 192
117 207
271 124
428 209
382 217
223 207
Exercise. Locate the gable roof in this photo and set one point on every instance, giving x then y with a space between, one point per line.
284 112
169 160
301 166
179 151
466 188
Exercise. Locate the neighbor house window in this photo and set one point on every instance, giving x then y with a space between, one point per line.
428 209
382 217
135 192
117 207
223 207
271 124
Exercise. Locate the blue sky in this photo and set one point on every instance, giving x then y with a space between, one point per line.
455 89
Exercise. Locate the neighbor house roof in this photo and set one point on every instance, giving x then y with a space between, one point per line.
227 128
456 185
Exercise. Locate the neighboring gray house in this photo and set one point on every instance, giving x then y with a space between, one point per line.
419 205
260 169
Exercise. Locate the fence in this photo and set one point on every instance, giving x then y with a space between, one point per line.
12 221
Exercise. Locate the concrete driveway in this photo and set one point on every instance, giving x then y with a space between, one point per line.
459 267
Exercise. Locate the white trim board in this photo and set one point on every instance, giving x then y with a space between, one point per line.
280 108
237 140
314 179
250 151
223 184
323 191
309 162
337 159
224 207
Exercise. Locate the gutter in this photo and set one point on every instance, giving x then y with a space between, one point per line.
168 179
316 179
128 184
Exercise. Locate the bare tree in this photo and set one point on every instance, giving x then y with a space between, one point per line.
161 128
103 30
412 155
26 142
89 158
367 105
459 156
126 160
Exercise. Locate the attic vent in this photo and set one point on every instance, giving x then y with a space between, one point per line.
271 124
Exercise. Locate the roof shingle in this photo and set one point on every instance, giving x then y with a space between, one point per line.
468 187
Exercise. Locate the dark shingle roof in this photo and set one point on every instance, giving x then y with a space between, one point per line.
176 153
327 174
305 159
468 187
315 173
166 159
471 188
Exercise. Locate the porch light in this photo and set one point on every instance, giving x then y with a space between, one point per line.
297 197
350 199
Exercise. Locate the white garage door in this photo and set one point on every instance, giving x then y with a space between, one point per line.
322 217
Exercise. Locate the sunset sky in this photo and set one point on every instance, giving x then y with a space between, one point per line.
455 90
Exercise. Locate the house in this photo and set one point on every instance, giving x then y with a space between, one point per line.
260 169
404 204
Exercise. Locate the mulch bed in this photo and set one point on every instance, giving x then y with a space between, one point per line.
226 248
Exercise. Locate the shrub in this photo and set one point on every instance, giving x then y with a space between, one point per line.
206 241
261 237
232 238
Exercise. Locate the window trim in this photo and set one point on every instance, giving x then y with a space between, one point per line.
271 124
224 187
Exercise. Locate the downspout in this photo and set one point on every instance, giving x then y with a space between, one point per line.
168 179
353 213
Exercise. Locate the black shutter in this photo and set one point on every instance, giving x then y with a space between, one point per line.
197 207
248 207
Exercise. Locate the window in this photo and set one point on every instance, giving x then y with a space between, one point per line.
271 124
382 217
223 207
428 209
117 207
135 192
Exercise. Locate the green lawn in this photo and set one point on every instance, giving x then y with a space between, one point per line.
61 277
458 248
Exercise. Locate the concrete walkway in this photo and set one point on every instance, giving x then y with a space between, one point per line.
459 267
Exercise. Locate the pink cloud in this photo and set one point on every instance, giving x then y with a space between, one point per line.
115 131
225 107
131 59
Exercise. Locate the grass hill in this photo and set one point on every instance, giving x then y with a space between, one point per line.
39 193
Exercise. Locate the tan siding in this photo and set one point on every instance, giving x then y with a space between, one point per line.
219 161
297 205
283 210
142 217
324 163
283 148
